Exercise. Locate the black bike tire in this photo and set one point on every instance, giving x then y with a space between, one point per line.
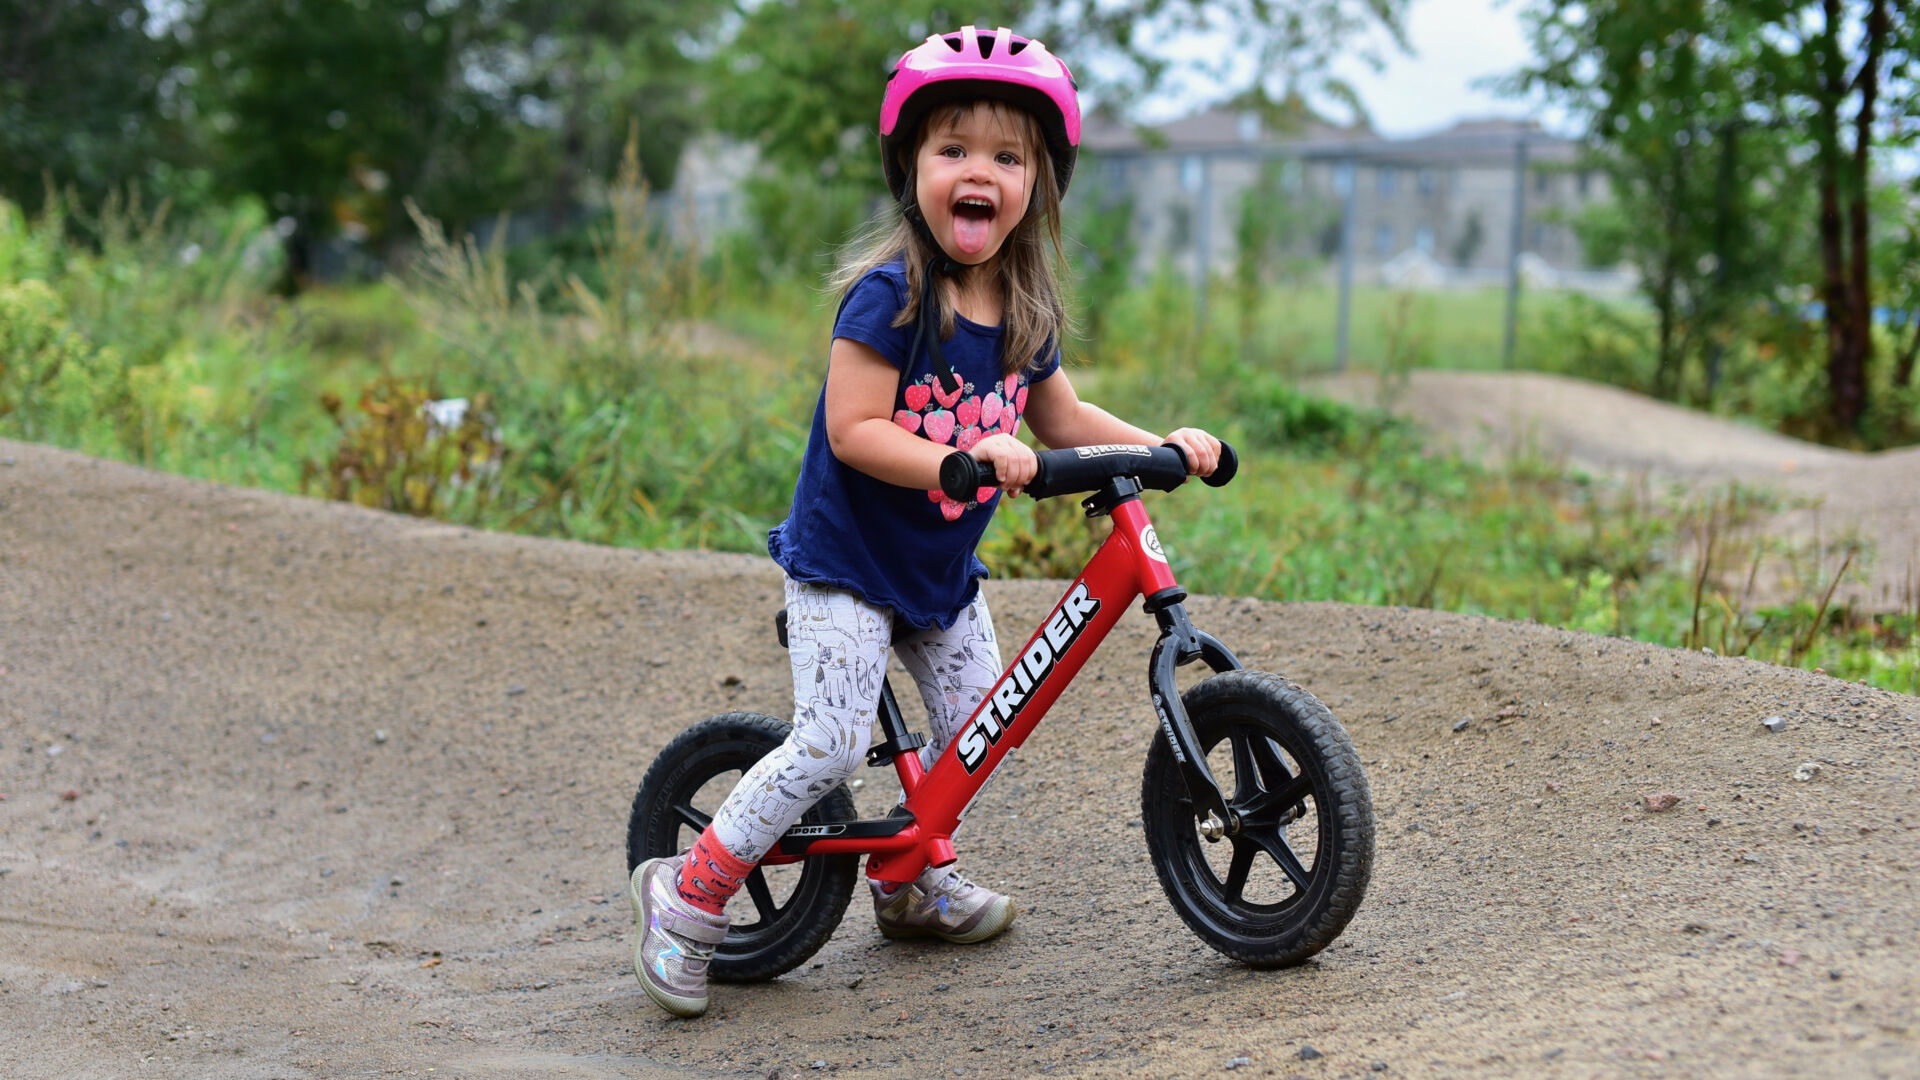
818 901
1343 805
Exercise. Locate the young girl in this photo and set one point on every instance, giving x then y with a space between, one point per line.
947 338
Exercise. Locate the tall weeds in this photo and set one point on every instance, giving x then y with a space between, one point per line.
650 398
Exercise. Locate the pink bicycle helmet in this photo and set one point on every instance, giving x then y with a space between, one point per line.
973 64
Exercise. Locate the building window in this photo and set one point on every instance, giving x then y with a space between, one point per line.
1423 239
1290 177
1542 181
1428 181
1539 238
1249 123
1389 180
1383 239
1191 169
1580 184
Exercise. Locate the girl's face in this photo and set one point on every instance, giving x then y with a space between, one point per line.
973 175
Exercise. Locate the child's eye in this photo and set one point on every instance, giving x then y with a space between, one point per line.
952 152
1008 157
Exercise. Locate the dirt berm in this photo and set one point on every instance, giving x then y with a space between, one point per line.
293 789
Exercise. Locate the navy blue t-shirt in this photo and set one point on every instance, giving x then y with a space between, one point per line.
904 548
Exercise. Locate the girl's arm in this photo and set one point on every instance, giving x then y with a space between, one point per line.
860 389
1060 419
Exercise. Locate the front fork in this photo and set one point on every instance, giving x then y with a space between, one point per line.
1181 644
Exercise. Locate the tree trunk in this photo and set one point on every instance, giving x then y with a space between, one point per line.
1666 378
1860 273
1846 361
1903 374
1672 357
1723 241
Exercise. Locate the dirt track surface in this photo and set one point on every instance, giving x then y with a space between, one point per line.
211 866
1604 429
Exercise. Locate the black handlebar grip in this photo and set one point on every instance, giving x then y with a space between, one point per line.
962 476
1225 469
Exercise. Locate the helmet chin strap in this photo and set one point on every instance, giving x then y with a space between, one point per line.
942 263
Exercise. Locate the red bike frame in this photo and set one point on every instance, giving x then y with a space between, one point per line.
1130 564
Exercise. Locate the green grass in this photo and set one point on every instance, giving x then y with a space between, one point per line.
664 405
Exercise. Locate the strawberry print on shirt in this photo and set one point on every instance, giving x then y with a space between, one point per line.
960 419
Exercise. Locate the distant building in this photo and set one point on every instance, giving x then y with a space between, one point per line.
1438 207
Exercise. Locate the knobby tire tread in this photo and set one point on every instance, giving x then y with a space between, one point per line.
1348 797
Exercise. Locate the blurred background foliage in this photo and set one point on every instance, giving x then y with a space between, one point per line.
169 173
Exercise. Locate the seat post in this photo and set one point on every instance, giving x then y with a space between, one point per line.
900 746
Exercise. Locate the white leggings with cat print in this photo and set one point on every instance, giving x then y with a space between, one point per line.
838 646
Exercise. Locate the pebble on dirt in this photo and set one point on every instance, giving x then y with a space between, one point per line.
1461 725
1662 802
1238 1063
1807 771
1774 723
1308 1053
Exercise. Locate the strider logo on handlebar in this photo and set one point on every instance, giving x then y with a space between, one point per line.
1016 688
1087 452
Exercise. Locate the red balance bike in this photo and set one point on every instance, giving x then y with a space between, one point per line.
1256 811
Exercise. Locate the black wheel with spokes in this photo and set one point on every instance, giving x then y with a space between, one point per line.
786 912
1284 886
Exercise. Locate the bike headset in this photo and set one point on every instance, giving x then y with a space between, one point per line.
965 66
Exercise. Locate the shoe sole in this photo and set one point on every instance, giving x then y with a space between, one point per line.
992 923
673 1003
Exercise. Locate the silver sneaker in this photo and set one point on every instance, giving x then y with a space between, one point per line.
673 941
942 904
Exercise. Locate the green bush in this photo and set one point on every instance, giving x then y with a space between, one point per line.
55 384
661 400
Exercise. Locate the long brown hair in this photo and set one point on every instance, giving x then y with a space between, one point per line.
1033 306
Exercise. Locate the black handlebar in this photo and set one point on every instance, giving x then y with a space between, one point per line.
1084 468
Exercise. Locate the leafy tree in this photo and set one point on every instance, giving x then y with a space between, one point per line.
1900 265
1103 251
1664 85
1738 136
602 70
80 89
1829 70
335 113
1274 226
802 78
1472 235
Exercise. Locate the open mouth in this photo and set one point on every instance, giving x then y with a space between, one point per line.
973 206
972 218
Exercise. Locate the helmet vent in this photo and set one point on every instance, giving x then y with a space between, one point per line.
953 42
1019 45
986 46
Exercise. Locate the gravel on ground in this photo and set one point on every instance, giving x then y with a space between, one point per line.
296 789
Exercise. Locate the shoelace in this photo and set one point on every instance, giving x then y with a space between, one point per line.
954 883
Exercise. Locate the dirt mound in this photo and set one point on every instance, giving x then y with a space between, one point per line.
296 789
1604 429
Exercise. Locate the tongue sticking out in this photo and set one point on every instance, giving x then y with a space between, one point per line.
972 225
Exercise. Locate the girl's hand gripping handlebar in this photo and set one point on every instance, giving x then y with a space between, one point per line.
1084 468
